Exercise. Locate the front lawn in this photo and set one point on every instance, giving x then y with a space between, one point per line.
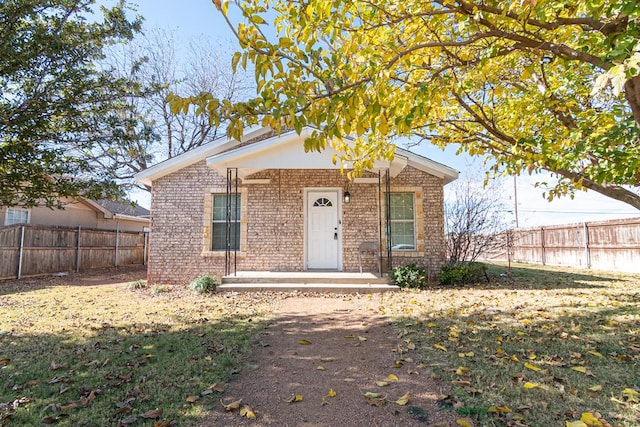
546 347
109 354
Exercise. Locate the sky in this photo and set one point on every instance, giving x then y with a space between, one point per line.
199 18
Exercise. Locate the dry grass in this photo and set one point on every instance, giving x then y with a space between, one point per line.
106 354
542 348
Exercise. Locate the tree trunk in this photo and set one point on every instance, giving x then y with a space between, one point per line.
632 93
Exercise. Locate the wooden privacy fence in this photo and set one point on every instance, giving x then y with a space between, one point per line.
603 245
35 250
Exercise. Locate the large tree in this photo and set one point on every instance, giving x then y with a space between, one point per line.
55 94
162 63
531 85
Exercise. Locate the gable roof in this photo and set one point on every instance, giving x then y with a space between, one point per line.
284 151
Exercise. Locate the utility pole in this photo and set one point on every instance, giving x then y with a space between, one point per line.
515 199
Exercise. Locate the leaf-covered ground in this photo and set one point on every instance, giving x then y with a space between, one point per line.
546 347
91 351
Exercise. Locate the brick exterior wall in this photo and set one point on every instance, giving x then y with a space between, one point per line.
272 226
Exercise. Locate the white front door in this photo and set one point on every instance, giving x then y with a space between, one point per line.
323 232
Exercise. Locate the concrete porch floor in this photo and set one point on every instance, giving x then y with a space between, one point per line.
307 281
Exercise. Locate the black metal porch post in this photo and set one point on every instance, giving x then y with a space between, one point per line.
388 225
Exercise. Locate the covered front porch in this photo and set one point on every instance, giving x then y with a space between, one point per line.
329 217
306 281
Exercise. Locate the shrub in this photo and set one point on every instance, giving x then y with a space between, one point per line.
203 285
409 276
463 273
138 284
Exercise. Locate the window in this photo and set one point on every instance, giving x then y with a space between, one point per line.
322 202
16 216
219 225
402 221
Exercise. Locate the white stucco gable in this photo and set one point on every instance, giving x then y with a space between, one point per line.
284 151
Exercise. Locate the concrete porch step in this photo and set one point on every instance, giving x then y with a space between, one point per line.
306 281
304 277
340 288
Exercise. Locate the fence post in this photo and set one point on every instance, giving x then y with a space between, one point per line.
544 255
78 251
144 253
587 251
117 237
20 252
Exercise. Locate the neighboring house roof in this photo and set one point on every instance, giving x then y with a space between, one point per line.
284 151
118 210
124 208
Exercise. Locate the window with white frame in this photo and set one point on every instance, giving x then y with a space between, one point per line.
17 216
402 221
222 202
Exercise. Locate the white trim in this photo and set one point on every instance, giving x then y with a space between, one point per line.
365 180
220 152
256 181
306 192
427 165
131 218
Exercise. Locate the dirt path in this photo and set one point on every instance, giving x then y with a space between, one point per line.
355 348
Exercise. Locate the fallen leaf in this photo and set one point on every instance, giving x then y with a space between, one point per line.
595 388
247 412
192 399
361 338
233 406
4 361
127 421
531 385
630 395
464 422
54 366
218 387
320 368
440 347
403 400
575 424
382 383
327 359
295 398
71 406
332 393
583 370
595 353
376 401
350 336
499 409
589 419
462 371
155 413
304 342
49 420
532 367
372 395
392 377
164 423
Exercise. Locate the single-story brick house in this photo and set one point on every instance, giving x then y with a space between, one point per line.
263 204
